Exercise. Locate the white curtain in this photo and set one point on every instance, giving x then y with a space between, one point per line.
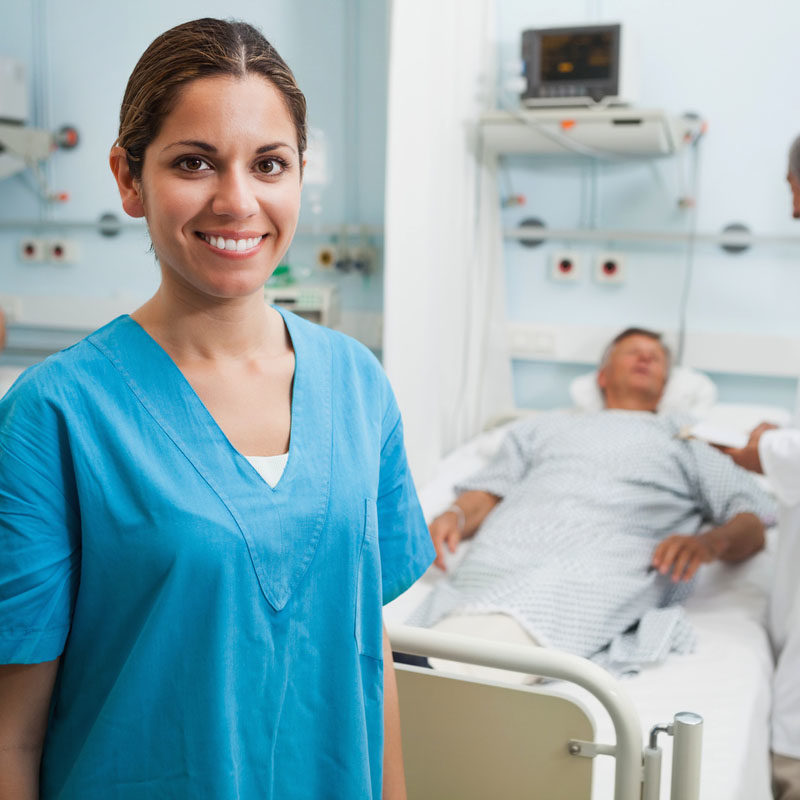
444 296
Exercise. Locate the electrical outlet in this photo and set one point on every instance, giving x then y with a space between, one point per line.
62 251
609 268
565 266
32 250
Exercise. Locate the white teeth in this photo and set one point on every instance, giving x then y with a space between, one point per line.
234 245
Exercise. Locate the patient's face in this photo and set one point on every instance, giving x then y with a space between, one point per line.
637 365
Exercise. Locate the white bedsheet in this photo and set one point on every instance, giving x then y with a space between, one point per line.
726 680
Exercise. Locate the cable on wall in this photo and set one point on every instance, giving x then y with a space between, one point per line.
691 245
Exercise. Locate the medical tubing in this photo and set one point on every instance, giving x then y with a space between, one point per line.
547 663
691 245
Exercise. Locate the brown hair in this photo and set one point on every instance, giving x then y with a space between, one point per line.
199 49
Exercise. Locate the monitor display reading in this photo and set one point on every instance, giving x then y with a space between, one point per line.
577 56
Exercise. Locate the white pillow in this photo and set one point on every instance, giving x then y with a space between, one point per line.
687 392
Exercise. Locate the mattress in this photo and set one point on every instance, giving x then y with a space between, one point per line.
726 680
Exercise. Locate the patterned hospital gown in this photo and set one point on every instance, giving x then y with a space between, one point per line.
586 499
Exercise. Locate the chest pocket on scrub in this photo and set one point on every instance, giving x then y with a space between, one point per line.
369 593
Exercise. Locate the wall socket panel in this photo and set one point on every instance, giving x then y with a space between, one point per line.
32 250
609 268
57 250
565 265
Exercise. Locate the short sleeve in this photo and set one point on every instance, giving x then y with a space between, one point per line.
724 490
39 530
508 466
405 544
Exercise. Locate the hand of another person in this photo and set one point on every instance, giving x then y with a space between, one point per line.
682 555
747 456
446 533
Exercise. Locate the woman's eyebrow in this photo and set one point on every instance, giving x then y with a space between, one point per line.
268 148
209 148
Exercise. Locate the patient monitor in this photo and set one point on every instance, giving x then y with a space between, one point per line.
577 66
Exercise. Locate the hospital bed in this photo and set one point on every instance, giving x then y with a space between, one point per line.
725 681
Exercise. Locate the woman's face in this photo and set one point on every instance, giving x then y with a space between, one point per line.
220 186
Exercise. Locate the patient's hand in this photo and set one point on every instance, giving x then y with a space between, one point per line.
747 456
445 533
683 555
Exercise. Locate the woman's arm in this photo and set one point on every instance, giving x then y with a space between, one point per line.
25 691
394 779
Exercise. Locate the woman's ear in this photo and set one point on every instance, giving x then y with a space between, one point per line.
130 190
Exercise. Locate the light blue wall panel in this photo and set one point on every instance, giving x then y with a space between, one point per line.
80 55
732 64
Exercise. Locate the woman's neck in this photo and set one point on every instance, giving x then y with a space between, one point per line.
207 330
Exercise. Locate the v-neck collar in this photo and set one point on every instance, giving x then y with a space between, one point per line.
282 525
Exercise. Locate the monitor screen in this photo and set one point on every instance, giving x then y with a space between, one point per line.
577 56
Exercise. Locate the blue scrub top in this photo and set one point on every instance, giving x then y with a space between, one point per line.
219 638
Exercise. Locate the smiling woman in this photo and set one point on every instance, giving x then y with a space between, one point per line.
204 504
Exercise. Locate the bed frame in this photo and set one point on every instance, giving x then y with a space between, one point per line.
473 739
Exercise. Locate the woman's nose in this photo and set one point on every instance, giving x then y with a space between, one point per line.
234 195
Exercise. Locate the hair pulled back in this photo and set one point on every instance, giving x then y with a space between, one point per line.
199 49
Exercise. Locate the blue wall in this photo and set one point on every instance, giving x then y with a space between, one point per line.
733 64
80 54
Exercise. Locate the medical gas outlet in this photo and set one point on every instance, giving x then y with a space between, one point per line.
565 266
33 250
609 268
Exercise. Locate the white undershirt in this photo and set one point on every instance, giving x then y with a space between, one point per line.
270 468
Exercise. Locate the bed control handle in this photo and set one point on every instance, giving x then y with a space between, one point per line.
687 749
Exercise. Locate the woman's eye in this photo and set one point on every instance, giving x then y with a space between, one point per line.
193 164
271 166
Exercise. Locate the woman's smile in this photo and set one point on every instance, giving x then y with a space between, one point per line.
232 245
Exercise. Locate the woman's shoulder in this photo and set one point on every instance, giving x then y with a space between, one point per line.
58 378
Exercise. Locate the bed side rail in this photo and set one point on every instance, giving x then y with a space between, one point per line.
632 765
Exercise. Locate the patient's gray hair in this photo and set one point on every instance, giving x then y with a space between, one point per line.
654 335
794 158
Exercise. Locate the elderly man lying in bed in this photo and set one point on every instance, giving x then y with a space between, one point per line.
587 527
